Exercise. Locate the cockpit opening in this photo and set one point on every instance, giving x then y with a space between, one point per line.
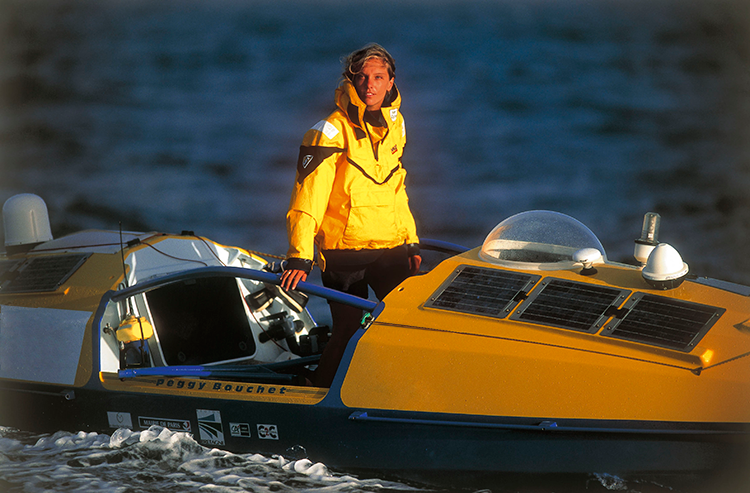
213 322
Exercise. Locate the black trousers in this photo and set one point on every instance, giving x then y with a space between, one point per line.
353 272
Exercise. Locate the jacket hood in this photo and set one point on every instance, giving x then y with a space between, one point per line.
349 102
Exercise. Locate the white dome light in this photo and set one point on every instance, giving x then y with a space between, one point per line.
26 221
664 268
587 257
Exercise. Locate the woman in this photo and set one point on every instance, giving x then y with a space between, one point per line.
349 198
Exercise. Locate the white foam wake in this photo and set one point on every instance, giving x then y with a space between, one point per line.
157 459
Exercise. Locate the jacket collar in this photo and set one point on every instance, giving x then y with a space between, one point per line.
348 101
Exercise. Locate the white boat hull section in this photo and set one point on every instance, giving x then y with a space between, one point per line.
41 344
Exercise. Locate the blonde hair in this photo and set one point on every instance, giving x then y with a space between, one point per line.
354 62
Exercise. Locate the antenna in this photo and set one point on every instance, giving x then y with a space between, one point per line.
129 308
142 348
122 255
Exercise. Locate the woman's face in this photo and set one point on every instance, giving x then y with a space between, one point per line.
372 83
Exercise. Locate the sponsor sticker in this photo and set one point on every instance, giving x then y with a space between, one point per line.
173 424
239 430
268 432
119 420
209 426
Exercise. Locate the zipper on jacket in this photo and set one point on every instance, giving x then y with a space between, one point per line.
375 146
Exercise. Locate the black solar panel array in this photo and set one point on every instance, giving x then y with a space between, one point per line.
664 322
480 291
40 274
570 305
645 318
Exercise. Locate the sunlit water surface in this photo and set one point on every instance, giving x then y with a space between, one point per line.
187 115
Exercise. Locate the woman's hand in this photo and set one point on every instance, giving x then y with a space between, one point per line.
414 262
290 278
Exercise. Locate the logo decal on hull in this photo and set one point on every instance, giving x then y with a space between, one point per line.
209 426
172 424
119 420
268 432
239 430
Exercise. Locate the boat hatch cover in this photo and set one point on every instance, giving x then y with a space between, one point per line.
482 291
663 322
570 305
38 274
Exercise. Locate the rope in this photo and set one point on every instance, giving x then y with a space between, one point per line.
538 343
262 254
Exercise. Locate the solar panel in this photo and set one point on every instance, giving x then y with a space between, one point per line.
39 274
664 322
570 305
6 268
482 291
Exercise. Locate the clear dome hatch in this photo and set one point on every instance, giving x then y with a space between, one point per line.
542 240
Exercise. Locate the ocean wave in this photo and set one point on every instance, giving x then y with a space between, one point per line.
158 459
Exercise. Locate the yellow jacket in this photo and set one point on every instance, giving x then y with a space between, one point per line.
349 191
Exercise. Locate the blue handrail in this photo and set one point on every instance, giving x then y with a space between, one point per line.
442 246
260 370
255 373
243 273
447 420
271 278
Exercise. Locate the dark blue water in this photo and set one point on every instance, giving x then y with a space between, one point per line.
174 115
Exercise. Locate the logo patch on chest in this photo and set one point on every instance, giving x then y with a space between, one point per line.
394 149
